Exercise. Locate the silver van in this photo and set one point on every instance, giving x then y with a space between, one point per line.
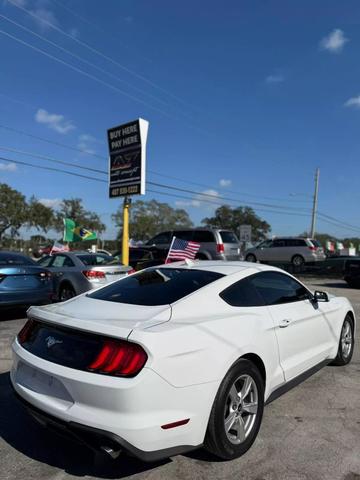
295 250
215 244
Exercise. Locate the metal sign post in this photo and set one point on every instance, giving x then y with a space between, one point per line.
127 162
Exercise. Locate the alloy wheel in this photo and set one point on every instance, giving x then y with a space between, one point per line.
346 339
241 409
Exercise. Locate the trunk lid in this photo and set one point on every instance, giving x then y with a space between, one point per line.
102 317
22 277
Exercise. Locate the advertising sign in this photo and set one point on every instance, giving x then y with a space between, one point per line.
245 233
127 158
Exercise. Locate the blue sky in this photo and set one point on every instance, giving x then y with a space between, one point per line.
244 98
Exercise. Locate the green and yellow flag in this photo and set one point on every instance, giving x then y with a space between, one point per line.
73 233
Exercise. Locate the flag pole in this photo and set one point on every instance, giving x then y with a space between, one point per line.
172 242
125 232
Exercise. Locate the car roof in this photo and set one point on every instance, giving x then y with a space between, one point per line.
220 266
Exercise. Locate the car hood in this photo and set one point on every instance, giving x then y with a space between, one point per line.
99 316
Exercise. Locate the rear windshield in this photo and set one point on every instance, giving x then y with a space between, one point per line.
157 286
228 237
9 259
97 259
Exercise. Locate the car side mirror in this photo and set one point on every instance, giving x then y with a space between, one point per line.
320 296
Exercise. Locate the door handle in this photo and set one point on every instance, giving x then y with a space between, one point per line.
284 323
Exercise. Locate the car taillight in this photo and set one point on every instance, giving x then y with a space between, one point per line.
93 274
130 272
26 331
45 275
313 249
119 358
220 248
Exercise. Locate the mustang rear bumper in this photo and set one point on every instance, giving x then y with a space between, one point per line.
96 439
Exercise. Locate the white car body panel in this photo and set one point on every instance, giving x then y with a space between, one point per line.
190 344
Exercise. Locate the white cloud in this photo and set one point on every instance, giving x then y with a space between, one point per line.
51 202
200 200
334 42
86 143
353 102
54 121
225 183
8 167
44 17
275 79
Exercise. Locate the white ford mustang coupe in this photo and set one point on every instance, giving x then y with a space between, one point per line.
177 357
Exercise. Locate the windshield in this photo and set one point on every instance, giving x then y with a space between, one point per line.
316 243
97 259
158 286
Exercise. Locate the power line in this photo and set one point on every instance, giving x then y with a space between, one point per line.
42 139
74 55
52 169
83 72
94 50
171 177
216 200
51 159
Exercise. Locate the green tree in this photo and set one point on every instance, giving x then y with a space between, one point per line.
231 218
74 209
16 212
149 218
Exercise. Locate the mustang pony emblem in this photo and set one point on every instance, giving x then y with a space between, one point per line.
51 341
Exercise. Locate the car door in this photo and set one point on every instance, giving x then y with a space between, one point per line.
278 251
304 334
262 250
59 266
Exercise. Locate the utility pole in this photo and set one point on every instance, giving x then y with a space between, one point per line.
314 211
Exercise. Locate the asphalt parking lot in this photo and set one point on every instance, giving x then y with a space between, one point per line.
312 432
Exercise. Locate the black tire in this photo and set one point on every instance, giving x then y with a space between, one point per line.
353 283
298 261
66 292
250 257
346 343
217 438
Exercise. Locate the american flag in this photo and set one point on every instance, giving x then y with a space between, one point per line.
182 249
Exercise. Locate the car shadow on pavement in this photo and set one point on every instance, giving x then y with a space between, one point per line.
12 313
19 430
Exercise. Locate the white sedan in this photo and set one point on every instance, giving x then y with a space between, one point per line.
177 357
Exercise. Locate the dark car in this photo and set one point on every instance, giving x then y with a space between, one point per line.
23 282
352 272
140 258
77 272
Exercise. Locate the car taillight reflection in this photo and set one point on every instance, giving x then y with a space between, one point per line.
94 274
26 331
119 358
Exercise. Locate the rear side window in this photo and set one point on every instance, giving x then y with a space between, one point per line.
228 237
276 288
164 237
203 236
45 261
96 259
278 243
295 242
158 286
242 294
62 261
184 235
9 259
